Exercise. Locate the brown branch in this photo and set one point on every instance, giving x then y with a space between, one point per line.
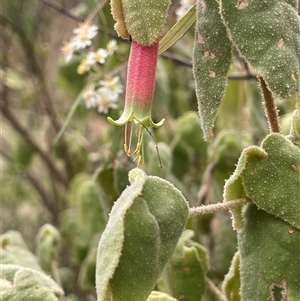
46 199
269 104
76 18
42 88
27 137
62 10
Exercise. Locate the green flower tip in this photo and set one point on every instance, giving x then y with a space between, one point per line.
147 121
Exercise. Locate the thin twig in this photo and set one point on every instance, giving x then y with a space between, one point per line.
270 107
42 88
46 199
76 18
215 290
209 209
62 10
27 137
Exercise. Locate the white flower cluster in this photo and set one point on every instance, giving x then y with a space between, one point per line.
81 39
184 7
105 96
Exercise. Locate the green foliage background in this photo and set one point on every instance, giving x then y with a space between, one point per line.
58 196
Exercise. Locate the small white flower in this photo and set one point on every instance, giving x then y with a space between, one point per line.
105 103
181 11
81 41
91 98
83 35
97 57
111 47
68 49
111 88
83 67
185 5
87 29
188 3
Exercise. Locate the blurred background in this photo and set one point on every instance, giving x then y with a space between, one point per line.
63 164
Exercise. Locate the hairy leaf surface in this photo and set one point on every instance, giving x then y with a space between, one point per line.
211 61
25 284
269 257
270 176
267 34
142 232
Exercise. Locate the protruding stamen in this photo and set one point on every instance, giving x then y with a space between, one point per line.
127 150
139 161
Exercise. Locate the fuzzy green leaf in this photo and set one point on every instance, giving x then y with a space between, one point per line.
184 275
294 135
86 277
274 183
144 20
188 126
112 238
159 296
15 251
47 240
232 281
267 34
270 177
12 238
211 62
269 257
142 231
91 211
25 284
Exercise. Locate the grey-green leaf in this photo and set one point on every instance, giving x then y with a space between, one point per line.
159 296
15 251
270 177
47 239
144 20
273 183
269 257
25 284
112 238
267 34
232 281
211 62
142 232
184 275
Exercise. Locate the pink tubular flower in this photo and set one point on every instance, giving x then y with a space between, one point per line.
139 88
